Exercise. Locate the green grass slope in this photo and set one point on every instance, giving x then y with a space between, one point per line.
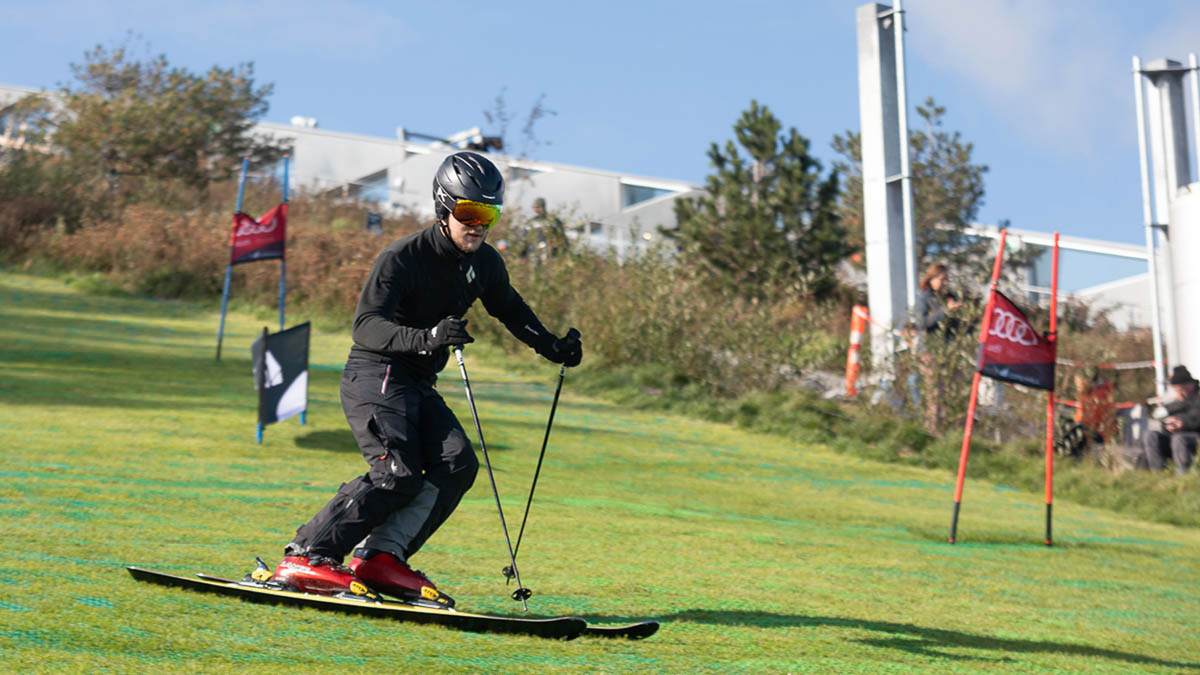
124 442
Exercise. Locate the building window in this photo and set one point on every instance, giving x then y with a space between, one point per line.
521 172
636 194
372 188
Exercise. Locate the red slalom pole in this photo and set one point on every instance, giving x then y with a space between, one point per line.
1050 396
966 444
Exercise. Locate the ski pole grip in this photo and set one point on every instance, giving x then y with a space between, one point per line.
572 334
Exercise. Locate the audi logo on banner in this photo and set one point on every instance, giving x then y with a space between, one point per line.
1009 326
248 228
1013 351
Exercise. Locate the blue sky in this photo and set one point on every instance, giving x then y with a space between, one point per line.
1042 89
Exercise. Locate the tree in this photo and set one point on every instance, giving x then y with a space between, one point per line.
499 117
767 224
139 125
947 192
37 188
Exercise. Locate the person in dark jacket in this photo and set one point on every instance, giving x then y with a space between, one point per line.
932 318
934 301
1180 428
409 316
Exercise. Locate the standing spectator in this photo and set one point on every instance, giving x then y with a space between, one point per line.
1181 427
932 316
934 301
546 236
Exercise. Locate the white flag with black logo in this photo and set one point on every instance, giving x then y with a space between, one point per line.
281 373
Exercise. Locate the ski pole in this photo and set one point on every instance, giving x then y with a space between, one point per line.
562 372
521 593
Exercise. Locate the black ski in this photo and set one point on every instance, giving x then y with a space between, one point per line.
633 631
562 628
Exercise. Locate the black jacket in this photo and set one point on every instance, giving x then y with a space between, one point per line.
1187 410
420 280
929 314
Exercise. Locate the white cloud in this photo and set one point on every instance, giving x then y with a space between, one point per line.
1177 35
1056 73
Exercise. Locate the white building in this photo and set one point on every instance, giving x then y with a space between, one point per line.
621 211
1107 276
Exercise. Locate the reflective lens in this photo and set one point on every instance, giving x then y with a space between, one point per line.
475 214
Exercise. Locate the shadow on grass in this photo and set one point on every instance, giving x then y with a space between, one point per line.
520 393
921 640
342 440
1007 540
330 441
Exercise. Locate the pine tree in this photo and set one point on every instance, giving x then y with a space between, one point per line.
142 130
767 223
947 188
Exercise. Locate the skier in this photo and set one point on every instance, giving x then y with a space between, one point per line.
421 463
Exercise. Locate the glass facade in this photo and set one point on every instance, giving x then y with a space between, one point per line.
636 194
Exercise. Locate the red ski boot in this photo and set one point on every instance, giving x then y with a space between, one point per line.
319 575
385 572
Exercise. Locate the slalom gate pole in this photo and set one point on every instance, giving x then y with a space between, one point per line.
966 449
521 593
1050 395
229 267
283 260
562 373
970 424
262 385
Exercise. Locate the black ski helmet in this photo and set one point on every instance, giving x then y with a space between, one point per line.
466 175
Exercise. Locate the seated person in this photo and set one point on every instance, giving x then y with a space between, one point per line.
1095 415
1180 428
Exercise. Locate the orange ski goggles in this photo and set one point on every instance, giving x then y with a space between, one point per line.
476 214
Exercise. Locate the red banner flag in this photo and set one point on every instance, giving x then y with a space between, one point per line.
261 239
1013 351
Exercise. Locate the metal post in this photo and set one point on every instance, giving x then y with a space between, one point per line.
910 261
889 274
1160 385
1194 66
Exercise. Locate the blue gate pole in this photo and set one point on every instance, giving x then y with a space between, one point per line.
224 305
229 268
261 384
283 260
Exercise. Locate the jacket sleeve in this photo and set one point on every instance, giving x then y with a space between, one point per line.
502 301
1189 415
374 328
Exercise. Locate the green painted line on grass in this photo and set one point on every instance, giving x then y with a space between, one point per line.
96 602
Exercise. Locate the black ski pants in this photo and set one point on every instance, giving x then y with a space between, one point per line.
421 464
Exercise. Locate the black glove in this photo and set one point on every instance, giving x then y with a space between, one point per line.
567 350
450 331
